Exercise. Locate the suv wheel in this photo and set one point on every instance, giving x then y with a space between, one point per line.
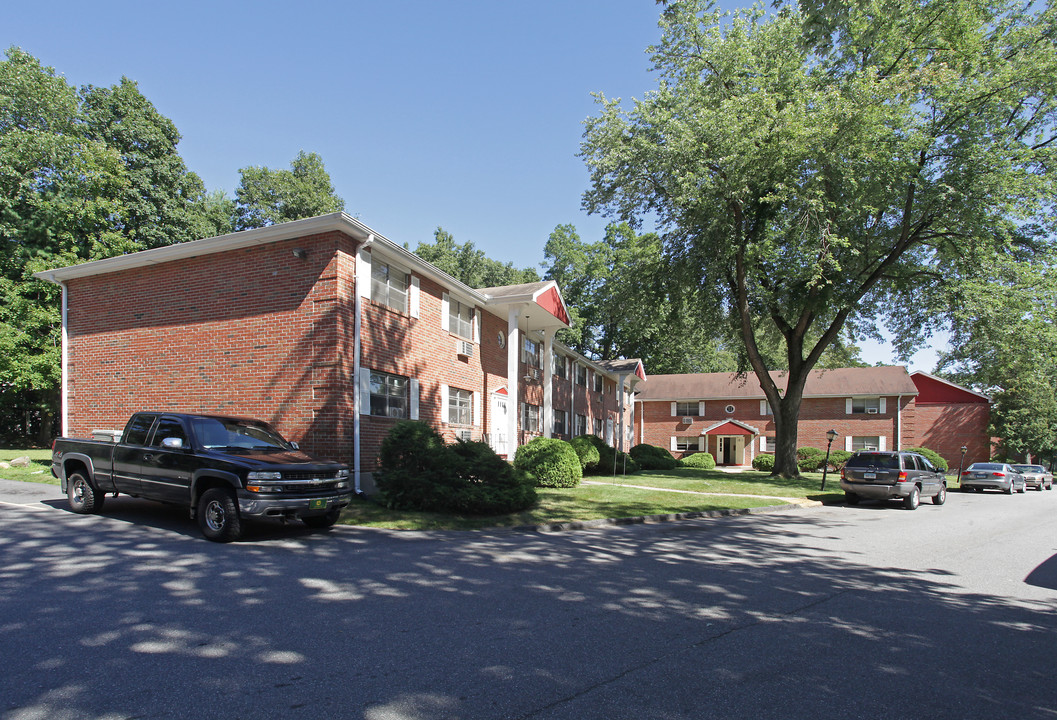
911 501
851 498
940 497
218 515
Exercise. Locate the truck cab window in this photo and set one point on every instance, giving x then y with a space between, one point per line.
169 428
138 429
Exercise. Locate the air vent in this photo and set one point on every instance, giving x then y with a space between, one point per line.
463 347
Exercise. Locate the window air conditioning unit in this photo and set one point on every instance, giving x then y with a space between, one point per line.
871 411
687 420
463 347
466 435
535 372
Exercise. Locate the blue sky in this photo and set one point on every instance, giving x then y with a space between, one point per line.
463 115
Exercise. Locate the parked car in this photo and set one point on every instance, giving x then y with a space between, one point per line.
992 476
885 475
1035 476
223 469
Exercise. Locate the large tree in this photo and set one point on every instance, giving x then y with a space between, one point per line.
835 162
469 265
266 197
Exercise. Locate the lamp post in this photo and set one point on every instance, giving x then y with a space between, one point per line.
831 435
961 462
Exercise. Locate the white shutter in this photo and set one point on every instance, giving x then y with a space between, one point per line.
413 390
477 408
847 407
763 443
847 443
674 413
882 443
763 408
701 408
365 391
363 274
674 441
443 403
413 294
477 325
881 406
445 312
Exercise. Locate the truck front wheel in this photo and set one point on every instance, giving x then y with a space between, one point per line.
218 515
83 497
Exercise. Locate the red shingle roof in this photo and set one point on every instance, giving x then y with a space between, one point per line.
839 382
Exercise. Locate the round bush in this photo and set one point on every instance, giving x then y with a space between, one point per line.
418 471
552 462
651 457
933 457
837 458
763 463
810 459
700 460
586 451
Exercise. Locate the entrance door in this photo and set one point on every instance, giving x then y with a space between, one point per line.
727 448
498 419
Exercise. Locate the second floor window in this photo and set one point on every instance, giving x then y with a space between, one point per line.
581 375
598 381
460 319
389 286
686 409
530 353
559 365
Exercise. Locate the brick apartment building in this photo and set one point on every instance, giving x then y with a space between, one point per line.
883 408
332 333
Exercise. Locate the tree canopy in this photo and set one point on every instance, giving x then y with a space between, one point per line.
266 197
469 265
835 162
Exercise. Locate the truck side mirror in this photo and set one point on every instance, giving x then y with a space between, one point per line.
172 443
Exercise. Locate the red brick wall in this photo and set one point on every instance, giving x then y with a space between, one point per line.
946 427
254 332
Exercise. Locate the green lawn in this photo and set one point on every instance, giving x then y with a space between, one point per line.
39 469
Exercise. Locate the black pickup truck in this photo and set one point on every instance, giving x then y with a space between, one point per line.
223 468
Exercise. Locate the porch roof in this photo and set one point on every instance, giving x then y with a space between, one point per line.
730 426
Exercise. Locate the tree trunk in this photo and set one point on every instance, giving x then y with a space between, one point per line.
785 424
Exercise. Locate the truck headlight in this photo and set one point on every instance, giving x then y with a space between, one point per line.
270 475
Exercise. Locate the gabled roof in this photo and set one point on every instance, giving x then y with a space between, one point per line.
730 426
631 366
932 389
838 382
542 300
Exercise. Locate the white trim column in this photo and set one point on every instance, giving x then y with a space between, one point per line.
547 361
513 355
65 364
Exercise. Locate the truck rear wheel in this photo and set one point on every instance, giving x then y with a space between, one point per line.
218 515
84 498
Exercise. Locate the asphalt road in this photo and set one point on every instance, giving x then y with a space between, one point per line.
866 612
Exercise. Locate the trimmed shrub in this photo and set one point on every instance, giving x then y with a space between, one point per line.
810 459
607 457
586 451
418 471
652 457
763 463
837 458
933 457
552 462
700 460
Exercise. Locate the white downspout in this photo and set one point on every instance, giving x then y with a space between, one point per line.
357 305
64 400
513 354
899 422
548 390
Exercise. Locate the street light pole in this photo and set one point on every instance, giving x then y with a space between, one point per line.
831 435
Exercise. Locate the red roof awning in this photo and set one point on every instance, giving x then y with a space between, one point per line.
728 428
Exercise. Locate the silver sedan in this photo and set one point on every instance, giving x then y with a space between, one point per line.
992 476
1035 476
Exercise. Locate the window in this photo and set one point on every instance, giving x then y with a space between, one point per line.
388 395
530 418
389 286
599 426
683 409
598 381
169 428
561 422
866 443
460 406
688 444
530 353
559 365
460 319
767 443
581 375
581 425
870 405
138 427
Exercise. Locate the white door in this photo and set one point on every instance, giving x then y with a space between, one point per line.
498 419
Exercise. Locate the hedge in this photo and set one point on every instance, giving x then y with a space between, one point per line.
932 455
652 457
700 460
551 461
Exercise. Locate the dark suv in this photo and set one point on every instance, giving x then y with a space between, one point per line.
884 475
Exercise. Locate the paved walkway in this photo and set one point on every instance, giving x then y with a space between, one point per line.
803 502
